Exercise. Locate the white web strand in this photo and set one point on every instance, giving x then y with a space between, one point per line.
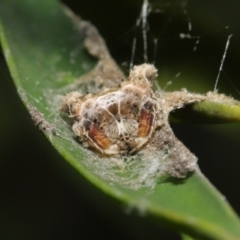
142 19
222 61
155 51
188 19
133 52
144 28
190 27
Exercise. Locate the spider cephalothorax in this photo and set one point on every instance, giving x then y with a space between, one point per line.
118 120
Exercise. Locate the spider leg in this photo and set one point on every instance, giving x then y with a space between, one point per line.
146 125
99 139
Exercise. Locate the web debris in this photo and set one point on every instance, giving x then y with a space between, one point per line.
40 122
38 117
142 23
222 61
189 35
142 19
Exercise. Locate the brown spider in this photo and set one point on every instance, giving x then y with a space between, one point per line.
118 120
128 117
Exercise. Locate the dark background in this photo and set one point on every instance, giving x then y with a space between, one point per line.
41 197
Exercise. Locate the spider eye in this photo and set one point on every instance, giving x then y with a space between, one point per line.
148 106
87 125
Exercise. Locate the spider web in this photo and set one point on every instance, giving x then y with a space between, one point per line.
184 42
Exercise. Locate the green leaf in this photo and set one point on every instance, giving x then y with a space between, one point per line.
45 52
208 112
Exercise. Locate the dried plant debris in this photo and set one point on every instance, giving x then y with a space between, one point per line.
124 123
41 123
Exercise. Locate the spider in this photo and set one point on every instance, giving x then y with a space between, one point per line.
117 120
128 117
